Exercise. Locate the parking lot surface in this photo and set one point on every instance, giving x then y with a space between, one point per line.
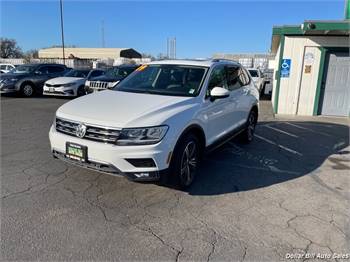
286 193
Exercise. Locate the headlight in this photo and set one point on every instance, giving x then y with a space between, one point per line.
141 136
112 84
69 84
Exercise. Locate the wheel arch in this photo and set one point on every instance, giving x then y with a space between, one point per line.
256 110
26 81
198 131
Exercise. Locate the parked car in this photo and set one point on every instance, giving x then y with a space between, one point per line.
5 68
112 77
268 76
71 84
29 79
159 121
258 78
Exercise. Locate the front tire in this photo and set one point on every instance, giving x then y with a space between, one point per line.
27 89
248 134
81 91
184 165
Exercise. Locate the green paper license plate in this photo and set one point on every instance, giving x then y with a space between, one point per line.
76 152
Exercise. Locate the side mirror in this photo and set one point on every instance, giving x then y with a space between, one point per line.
37 72
218 93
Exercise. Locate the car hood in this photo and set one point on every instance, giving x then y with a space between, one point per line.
123 109
105 78
64 80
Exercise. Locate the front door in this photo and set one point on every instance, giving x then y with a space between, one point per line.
335 86
217 113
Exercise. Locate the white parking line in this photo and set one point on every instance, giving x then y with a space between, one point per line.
281 131
308 129
280 146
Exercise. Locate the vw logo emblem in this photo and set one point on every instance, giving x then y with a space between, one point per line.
80 130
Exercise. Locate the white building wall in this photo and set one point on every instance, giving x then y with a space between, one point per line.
274 75
297 92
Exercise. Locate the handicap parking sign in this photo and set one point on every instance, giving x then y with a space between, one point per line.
285 67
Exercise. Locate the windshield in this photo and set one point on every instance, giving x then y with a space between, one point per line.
77 73
24 69
254 73
119 72
176 80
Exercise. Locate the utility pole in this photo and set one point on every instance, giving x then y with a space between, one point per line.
347 9
103 33
62 34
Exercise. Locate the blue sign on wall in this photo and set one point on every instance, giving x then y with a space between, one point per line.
285 67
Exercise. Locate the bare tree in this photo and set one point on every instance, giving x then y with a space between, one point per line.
9 48
31 54
146 55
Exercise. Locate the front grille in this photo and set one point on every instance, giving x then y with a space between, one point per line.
49 85
95 133
98 85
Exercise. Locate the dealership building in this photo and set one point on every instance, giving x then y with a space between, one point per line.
312 68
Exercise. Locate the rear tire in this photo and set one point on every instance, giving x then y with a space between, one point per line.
248 134
27 89
184 163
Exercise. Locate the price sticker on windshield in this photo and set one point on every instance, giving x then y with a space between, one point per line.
141 68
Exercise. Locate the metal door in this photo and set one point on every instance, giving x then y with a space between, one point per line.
336 85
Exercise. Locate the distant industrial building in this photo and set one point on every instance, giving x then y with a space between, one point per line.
90 53
263 61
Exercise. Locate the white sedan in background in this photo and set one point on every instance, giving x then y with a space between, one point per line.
71 84
258 78
6 68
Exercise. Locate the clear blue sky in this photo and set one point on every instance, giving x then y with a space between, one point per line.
201 28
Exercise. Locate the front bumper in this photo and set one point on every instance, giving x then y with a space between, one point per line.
60 91
7 88
113 159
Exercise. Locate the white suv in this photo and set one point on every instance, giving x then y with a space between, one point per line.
159 121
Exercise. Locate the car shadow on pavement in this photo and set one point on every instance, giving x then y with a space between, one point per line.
281 151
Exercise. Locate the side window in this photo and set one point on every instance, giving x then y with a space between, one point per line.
56 69
234 77
217 78
96 73
3 67
44 70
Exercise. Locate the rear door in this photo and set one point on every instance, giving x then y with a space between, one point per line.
40 76
239 85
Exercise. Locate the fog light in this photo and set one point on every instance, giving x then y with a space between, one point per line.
141 162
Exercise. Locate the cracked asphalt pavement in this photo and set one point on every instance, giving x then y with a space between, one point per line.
287 192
